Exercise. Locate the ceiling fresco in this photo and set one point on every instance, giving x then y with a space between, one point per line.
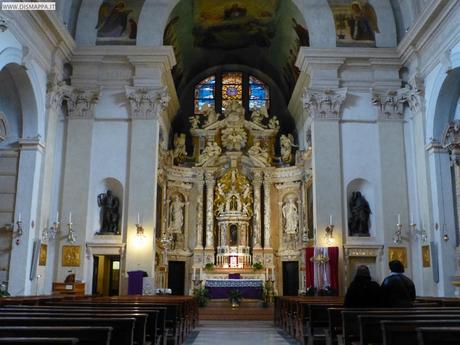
264 34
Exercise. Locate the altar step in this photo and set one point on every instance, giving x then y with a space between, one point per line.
248 310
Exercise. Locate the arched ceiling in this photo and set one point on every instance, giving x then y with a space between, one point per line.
264 35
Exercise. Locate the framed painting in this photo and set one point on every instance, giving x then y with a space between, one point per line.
398 253
43 255
70 256
426 259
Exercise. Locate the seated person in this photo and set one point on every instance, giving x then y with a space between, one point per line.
363 291
398 291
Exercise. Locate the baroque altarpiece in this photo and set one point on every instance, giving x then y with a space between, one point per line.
233 201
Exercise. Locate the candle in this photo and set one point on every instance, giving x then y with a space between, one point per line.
19 217
138 218
57 217
330 219
70 217
399 218
193 276
412 219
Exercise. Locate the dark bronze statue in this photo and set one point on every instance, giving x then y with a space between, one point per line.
110 215
359 221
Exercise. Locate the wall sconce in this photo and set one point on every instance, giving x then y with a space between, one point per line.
422 233
139 234
51 232
445 237
71 236
330 234
397 236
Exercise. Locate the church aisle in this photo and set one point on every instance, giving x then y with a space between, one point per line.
238 333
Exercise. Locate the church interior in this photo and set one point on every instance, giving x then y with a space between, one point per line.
179 153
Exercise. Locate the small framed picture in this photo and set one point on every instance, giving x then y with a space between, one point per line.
43 255
426 258
398 253
70 256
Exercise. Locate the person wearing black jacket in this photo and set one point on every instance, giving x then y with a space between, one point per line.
363 292
397 289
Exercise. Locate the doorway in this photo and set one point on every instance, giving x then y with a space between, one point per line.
106 275
176 277
290 278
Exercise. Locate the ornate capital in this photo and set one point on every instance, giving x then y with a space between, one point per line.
451 140
80 103
56 92
413 93
324 103
389 104
147 102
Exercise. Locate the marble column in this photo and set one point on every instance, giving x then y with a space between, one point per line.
210 182
199 213
146 107
256 236
77 172
26 203
267 213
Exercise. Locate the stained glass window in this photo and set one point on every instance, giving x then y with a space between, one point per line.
258 94
204 94
232 88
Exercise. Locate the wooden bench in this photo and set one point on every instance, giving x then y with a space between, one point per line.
86 335
37 341
438 335
405 331
123 328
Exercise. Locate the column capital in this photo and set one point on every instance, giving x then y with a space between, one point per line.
80 103
147 102
209 177
324 103
257 177
389 104
414 94
56 91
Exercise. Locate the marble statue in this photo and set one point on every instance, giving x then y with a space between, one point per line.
110 215
194 122
235 112
358 223
234 138
210 113
258 115
176 215
291 217
212 150
286 142
179 152
273 123
259 154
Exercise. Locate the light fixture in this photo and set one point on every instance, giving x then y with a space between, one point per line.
71 236
397 236
51 232
422 233
329 234
140 236
3 25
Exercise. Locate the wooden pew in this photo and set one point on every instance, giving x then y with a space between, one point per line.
86 335
405 331
38 341
438 335
123 328
139 325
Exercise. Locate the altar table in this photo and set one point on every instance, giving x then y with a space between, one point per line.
249 288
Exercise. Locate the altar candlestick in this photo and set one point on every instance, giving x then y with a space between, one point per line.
19 217
70 217
57 217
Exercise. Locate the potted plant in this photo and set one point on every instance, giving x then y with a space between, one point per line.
257 266
209 266
234 296
202 296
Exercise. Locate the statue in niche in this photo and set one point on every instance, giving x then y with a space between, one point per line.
258 115
291 216
110 215
273 123
180 152
176 215
259 154
359 221
210 113
194 121
233 235
286 142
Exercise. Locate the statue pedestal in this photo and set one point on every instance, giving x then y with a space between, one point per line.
257 255
208 256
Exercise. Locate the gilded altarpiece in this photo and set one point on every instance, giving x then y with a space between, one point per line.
232 202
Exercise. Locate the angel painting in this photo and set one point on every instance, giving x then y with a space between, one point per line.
355 21
117 20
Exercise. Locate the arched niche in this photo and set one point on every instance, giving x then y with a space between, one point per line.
367 191
4 130
114 185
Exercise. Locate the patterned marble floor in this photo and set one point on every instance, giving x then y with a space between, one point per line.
237 333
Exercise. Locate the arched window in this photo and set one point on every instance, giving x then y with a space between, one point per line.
221 89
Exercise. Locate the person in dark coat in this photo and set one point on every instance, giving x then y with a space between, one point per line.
398 290
363 292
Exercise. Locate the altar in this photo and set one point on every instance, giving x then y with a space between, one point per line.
249 288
